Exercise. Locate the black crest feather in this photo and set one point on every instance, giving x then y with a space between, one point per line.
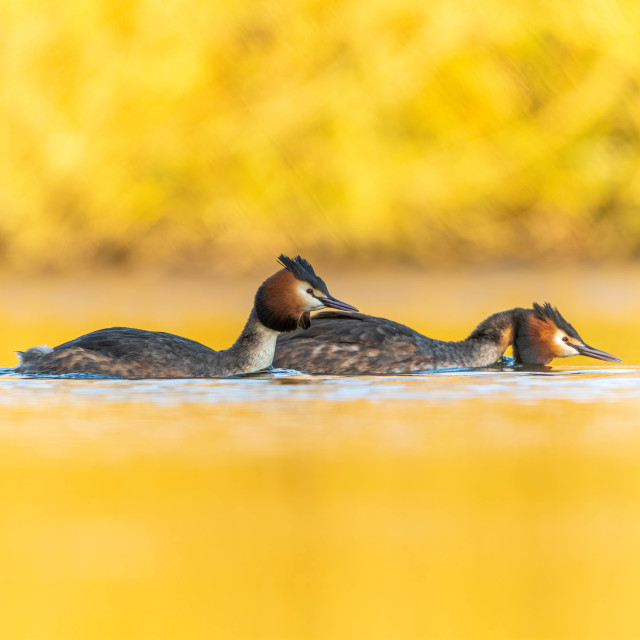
547 312
302 270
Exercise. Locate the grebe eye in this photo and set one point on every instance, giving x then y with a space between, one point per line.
565 339
310 292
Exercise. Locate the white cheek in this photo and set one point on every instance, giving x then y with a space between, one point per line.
311 303
564 349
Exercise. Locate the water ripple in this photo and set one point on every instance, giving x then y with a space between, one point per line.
581 385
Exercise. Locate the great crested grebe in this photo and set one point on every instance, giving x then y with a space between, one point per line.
282 303
355 344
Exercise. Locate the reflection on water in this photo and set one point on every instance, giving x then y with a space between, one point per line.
513 384
496 503
459 504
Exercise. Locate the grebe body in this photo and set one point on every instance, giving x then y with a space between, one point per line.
282 303
359 344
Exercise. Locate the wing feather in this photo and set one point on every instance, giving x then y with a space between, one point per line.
352 343
128 344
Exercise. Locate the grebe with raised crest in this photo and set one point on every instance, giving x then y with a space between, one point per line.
359 344
282 303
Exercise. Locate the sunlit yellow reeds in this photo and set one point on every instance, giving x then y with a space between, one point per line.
184 132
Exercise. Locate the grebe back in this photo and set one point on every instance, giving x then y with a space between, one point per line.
282 303
359 344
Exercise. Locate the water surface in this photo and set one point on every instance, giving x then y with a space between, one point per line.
457 504
496 503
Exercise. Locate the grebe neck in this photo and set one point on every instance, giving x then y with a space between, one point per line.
252 351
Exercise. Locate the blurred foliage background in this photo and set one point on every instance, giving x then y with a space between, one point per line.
182 134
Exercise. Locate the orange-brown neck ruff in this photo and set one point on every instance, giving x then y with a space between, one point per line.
541 335
278 304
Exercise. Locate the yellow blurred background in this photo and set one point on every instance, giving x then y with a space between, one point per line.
148 145
180 134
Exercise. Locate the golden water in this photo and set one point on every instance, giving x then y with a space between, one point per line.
487 504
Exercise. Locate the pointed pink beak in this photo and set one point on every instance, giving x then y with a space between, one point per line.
592 352
330 301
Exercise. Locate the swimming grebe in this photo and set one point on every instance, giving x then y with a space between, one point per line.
282 303
355 344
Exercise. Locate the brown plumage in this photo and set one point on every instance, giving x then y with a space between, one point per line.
282 303
355 343
278 305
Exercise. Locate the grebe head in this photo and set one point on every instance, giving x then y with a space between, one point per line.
543 334
284 301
